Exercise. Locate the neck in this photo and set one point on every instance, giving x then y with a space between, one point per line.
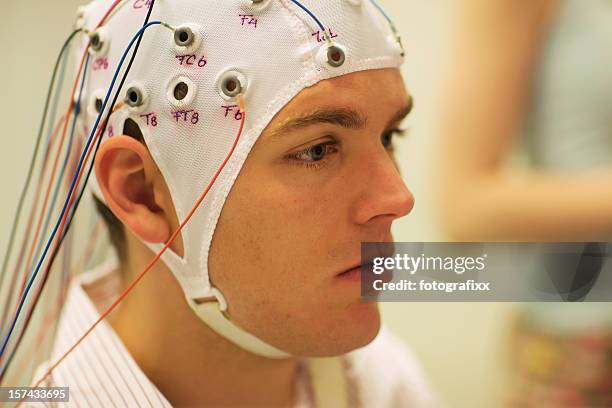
188 362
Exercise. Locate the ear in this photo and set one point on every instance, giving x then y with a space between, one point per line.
134 188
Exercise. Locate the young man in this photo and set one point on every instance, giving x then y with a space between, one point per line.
257 302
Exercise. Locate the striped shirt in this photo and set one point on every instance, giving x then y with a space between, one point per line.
100 372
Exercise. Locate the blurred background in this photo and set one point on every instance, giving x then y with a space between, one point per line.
510 140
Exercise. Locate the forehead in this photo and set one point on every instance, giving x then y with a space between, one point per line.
369 92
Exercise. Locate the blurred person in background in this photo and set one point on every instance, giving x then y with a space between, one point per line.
535 75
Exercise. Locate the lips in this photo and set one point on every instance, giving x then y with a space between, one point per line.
362 279
353 274
363 271
354 268
370 252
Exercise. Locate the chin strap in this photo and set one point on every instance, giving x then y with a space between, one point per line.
327 374
212 312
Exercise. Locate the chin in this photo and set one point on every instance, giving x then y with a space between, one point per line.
356 328
366 323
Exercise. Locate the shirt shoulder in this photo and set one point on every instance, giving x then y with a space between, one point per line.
387 374
100 372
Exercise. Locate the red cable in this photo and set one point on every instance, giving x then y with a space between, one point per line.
26 236
161 252
68 112
61 228
33 210
155 259
53 315
45 202
63 292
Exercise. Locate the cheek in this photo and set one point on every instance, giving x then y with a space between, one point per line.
269 238
274 256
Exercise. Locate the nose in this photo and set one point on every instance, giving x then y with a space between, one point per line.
383 194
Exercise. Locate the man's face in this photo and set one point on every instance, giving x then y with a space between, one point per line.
320 180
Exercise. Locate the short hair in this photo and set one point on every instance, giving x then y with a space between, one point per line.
115 227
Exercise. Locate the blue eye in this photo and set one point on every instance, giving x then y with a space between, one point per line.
315 153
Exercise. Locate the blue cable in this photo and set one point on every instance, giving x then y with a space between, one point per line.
77 111
65 163
72 186
310 13
382 11
52 114
4 277
62 171
392 25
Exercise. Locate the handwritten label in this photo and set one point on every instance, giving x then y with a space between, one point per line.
192 59
321 35
247 20
188 116
140 4
100 63
150 118
234 110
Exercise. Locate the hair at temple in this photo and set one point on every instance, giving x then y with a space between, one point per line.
115 226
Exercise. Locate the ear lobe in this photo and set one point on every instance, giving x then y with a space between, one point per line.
127 176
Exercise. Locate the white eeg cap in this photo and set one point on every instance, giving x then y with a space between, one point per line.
181 92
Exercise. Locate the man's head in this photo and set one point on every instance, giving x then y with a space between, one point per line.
320 180
311 176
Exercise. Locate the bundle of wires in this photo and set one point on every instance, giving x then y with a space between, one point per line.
13 328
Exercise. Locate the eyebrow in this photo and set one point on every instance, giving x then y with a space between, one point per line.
343 117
